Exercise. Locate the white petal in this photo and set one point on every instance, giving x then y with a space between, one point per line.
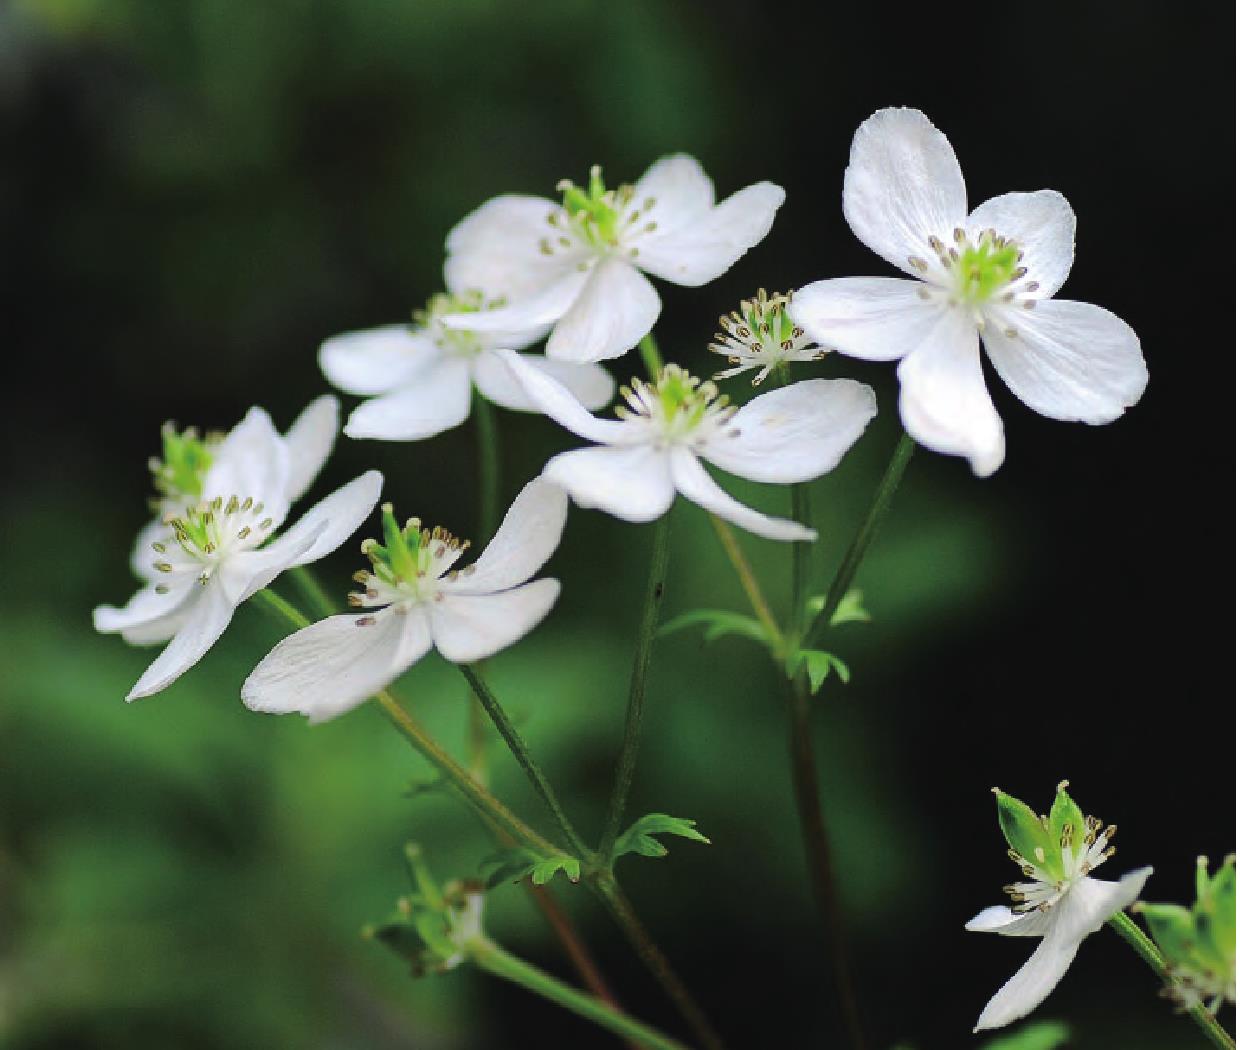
873 318
510 327
527 537
467 628
432 402
495 249
694 483
943 399
145 618
1086 907
551 397
795 433
1001 919
632 482
614 310
253 460
680 189
309 441
1031 984
332 666
703 248
1044 228
327 524
590 384
1068 360
377 360
902 185
206 617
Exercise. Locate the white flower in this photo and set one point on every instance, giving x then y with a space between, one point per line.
761 335
579 265
425 375
991 273
651 452
420 600
1060 903
214 553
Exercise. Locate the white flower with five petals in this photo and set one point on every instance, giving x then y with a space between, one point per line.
1059 903
418 599
579 265
424 376
989 273
654 449
220 548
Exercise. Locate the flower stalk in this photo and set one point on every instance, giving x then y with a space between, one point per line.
1136 939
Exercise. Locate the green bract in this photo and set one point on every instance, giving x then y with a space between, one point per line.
1199 943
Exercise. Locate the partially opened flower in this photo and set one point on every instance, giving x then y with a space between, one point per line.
654 449
424 376
761 335
221 548
1060 903
579 265
989 273
417 599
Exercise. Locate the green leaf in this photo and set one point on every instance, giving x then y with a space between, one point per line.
716 624
1026 833
1043 1035
544 871
640 836
512 865
818 666
849 610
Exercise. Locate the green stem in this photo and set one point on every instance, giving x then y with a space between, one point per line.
800 566
627 765
486 803
650 355
496 961
605 885
521 752
488 468
749 583
1123 924
313 591
861 541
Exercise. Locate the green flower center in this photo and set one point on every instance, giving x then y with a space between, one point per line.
187 457
595 215
678 403
458 341
407 563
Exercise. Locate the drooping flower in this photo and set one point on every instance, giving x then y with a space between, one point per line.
417 599
1060 903
989 273
652 451
761 335
424 376
579 265
220 548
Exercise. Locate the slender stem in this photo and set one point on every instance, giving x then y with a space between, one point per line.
488 468
800 564
521 752
313 591
749 582
650 355
622 911
578 954
626 767
491 807
1123 924
495 960
865 535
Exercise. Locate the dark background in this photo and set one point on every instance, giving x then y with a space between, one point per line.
194 194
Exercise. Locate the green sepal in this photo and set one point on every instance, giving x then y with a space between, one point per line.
1042 1035
718 623
1026 833
639 838
1172 928
1222 910
1066 813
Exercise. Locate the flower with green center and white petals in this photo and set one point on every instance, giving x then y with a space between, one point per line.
207 557
989 273
415 598
421 378
579 265
761 335
1058 901
1199 943
665 428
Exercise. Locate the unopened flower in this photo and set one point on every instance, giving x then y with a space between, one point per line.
652 451
579 265
1059 902
1199 943
761 335
414 598
989 273
220 548
424 376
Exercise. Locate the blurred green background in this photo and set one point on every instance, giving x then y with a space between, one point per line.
195 193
